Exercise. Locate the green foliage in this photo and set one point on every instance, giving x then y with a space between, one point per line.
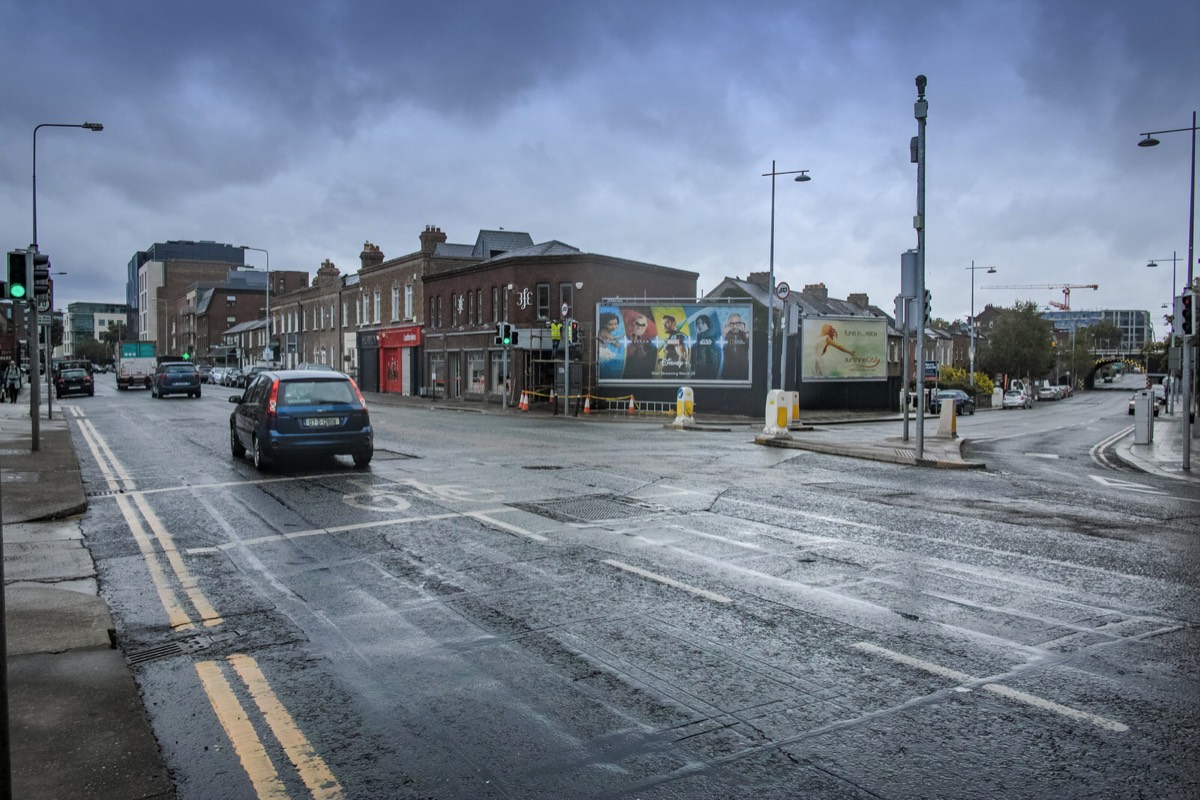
1018 344
96 352
956 378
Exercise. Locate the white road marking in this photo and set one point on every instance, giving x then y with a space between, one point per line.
663 579
995 688
484 516
1128 486
808 515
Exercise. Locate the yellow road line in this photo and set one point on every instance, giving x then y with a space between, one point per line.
207 613
249 748
312 768
176 615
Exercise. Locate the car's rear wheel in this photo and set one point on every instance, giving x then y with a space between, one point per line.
235 445
261 462
363 459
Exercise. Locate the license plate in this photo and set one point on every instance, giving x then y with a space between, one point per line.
322 422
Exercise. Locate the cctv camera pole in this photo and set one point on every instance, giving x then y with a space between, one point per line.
920 111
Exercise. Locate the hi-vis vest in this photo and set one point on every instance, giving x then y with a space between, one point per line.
556 331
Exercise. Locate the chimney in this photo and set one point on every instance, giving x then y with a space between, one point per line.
327 274
760 279
431 237
860 300
817 290
371 256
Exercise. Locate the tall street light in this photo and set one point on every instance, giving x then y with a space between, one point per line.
801 177
990 271
34 356
1174 327
268 305
1150 141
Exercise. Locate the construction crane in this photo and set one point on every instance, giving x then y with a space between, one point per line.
1066 288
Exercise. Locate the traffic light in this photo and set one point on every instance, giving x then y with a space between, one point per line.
506 334
41 276
928 305
499 337
573 332
1186 315
18 279
512 335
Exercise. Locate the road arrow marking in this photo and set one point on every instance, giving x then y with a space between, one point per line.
1128 486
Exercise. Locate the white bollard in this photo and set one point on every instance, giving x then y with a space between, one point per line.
684 406
778 406
948 418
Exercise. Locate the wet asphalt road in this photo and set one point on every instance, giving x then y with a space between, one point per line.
508 606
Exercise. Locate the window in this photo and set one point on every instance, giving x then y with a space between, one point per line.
345 316
332 315
471 308
230 320
433 321
543 301
478 306
566 294
408 301
495 304
230 300
376 298
395 303
439 311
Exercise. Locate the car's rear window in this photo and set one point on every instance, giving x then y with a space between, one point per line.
185 369
74 373
316 393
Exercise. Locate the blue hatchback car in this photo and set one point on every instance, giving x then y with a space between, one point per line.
299 413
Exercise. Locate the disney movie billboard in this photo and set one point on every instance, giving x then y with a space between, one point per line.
839 348
655 343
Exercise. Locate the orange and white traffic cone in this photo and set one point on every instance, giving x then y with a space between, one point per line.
524 406
587 404
631 409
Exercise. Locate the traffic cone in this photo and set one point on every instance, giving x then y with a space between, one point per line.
631 409
587 404
524 406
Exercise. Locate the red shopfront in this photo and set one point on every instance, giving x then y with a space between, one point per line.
399 358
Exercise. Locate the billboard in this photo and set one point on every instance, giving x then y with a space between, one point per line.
663 342
843 348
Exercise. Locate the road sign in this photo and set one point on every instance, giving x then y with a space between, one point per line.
782 290
931 369
45 302
566 309
44 319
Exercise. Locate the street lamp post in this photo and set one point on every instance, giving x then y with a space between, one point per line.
268 301
801 177
1186 352
34 356
990 271
1174 327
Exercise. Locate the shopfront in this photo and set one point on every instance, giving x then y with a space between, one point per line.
399 360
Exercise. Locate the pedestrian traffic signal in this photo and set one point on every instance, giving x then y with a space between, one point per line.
41 276
1186 313
573 332
18 279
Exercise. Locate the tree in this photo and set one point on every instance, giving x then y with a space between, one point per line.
115 334
1106 335
1018 344
92 350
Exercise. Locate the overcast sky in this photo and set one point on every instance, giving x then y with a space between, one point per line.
639 130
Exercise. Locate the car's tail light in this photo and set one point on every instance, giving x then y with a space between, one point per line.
361 401
273 401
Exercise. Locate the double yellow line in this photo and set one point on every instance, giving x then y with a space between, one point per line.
155 543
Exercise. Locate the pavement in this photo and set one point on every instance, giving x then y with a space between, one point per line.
77 723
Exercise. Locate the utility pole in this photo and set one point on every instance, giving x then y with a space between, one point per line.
921 111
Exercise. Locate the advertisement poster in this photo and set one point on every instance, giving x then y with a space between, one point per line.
695 342
844 348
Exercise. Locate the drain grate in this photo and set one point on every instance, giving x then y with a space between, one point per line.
591 508
193 644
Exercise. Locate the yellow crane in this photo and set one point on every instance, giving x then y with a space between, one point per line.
1066 288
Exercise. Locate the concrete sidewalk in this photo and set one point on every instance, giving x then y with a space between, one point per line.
77 724
78 728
